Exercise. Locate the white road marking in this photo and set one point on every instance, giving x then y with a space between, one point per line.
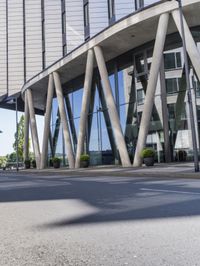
170 191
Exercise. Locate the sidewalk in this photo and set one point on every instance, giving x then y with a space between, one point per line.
172 170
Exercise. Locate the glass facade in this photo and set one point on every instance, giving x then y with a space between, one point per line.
129 83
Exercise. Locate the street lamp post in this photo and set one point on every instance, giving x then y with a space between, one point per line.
17 144
189 94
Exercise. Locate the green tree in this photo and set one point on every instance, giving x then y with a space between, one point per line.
3 161
20 139
11 157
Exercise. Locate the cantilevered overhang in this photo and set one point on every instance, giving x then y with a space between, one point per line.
131 32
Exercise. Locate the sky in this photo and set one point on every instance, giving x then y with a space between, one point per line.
8 126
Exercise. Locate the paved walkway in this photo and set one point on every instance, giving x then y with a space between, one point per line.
178 170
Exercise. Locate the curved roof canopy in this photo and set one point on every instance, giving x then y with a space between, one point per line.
131 32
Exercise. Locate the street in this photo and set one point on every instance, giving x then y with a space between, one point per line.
99 220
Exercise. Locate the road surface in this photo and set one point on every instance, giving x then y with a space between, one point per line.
99 220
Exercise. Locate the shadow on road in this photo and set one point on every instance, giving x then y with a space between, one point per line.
115 198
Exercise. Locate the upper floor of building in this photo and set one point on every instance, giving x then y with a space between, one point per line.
36 33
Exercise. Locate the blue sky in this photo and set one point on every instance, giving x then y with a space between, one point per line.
8 126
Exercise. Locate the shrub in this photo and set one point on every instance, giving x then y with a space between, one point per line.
147 152
56 160
50 162
85 157
33 163
27 163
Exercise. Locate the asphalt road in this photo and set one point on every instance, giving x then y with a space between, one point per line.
99 221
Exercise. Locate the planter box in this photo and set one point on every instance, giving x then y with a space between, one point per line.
56 164
27 165
84 164
149 161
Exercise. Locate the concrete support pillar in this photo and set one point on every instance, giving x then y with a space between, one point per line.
112 110
51 142
85 105
131 130
71 121
47 120
194 101
191 46
180 103
91 110
56 134
167 150
151 87
34 133
107 121
26 129
63 116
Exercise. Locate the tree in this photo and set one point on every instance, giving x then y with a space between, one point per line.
20 139
11 157
3 161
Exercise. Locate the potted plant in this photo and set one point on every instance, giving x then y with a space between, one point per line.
148 155
27 164
56 162
33 163
182 155
84 160
51 162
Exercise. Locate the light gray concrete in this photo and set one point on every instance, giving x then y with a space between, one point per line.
47 120
151 87
93 221
26 128
34 132
112 110
63 116
51 143
85 105
190 43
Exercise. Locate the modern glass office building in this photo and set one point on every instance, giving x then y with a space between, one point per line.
108 76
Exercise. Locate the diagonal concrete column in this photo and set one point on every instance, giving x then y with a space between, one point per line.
180 103
26 129
47 120
34 133
85 105
167 149
91 109
151 87
131 118
51 142
63 116
191 46
71 121
56 134
112 110
107 121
